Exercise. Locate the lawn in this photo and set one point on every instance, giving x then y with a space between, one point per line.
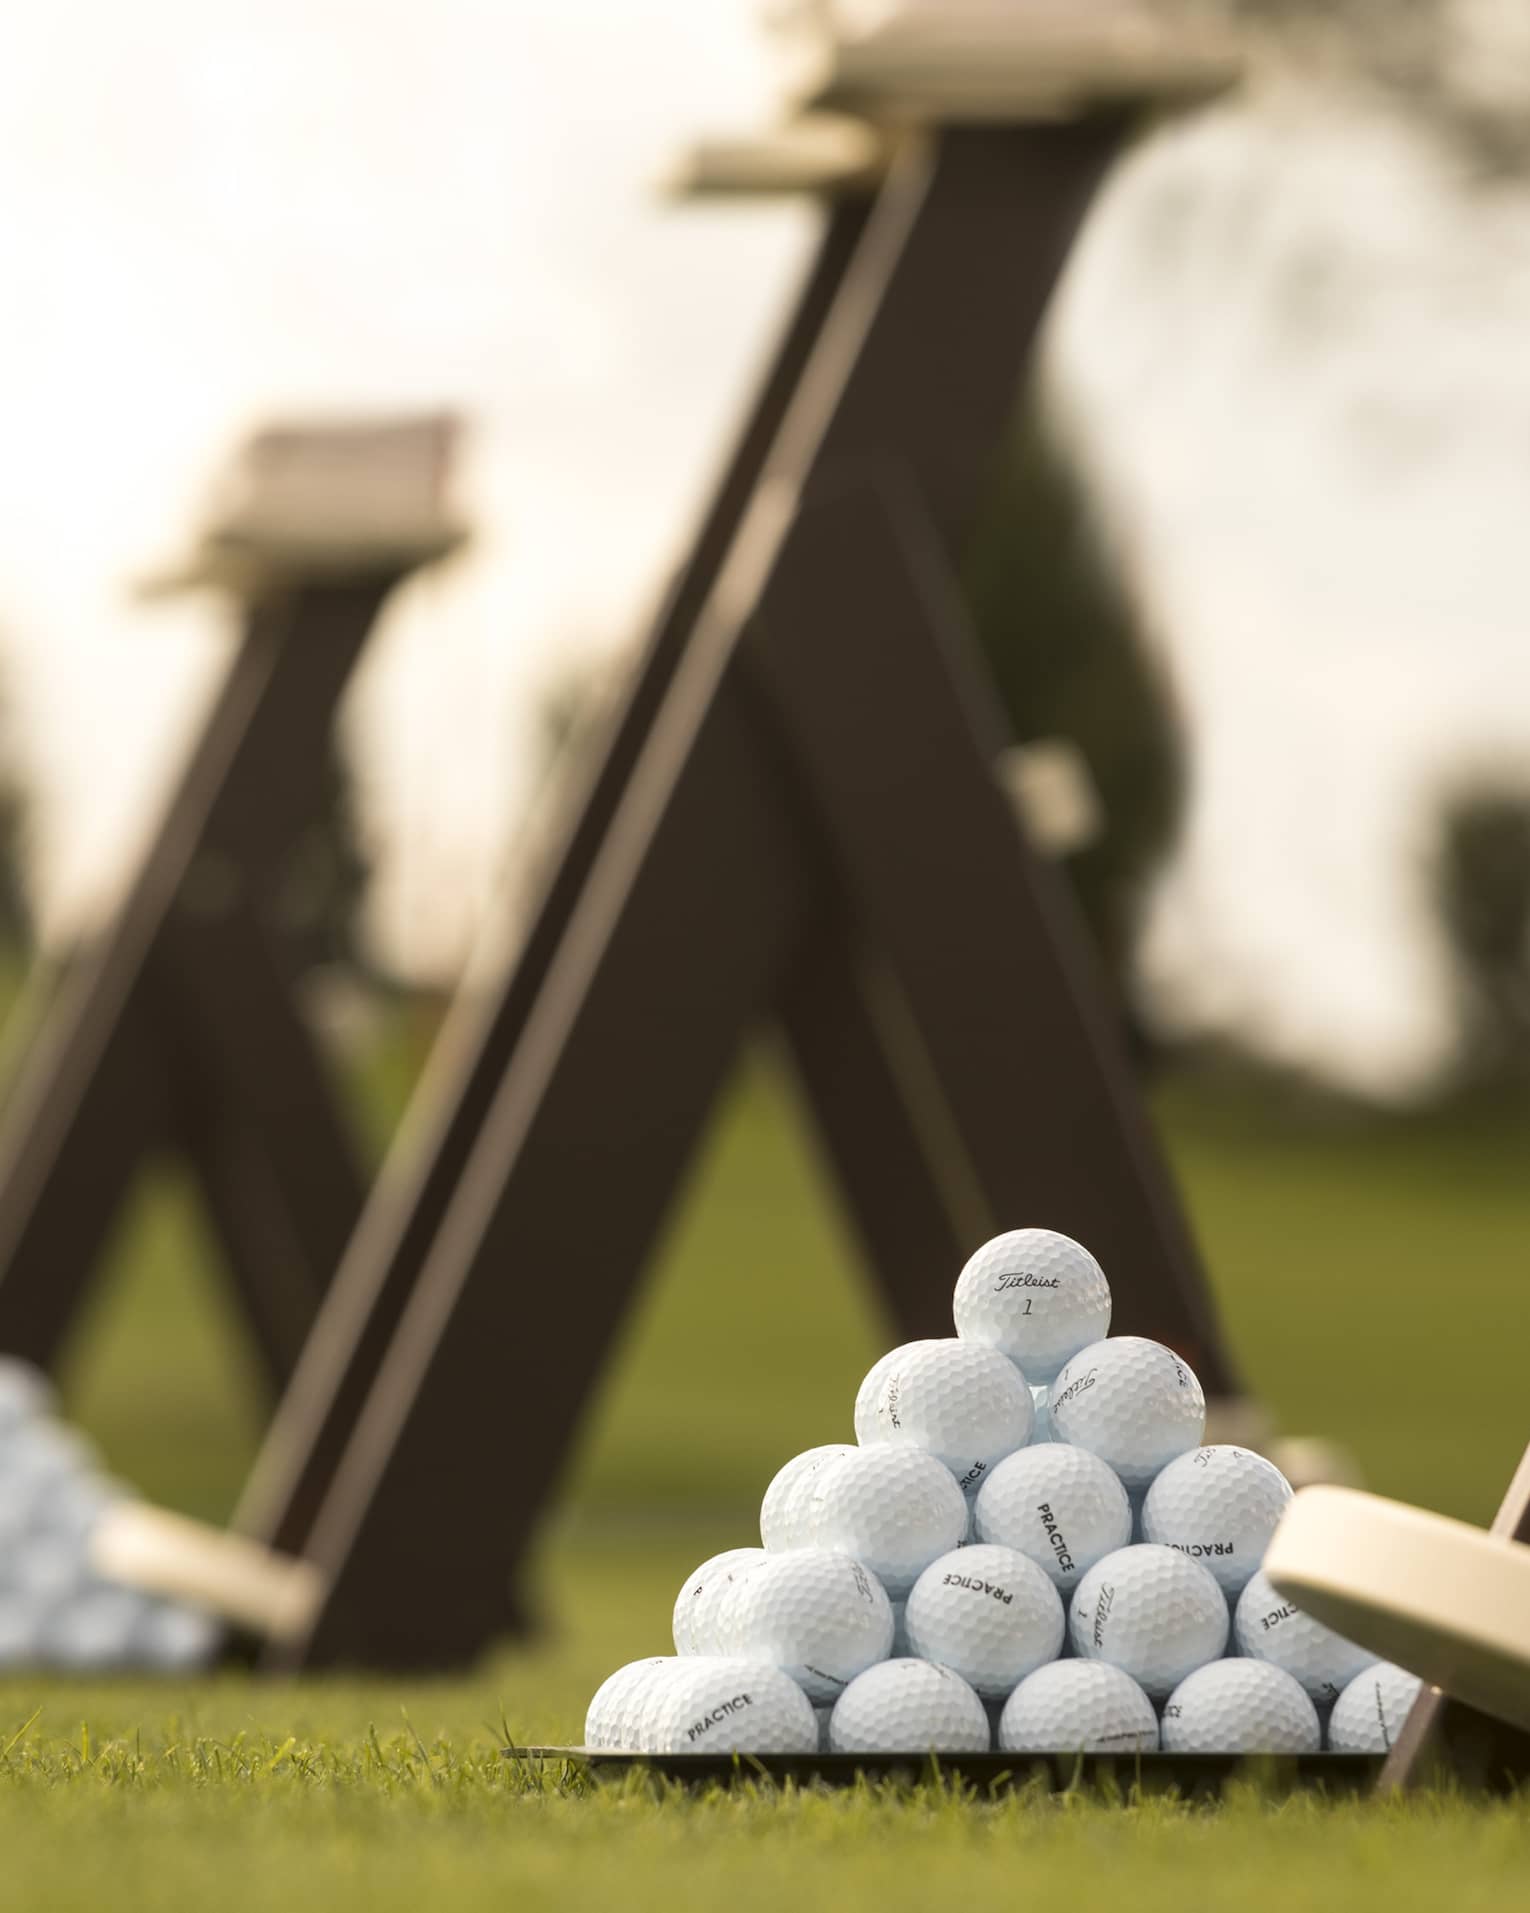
1373 1275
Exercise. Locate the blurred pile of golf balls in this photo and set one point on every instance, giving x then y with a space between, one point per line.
1026 1548
56 1612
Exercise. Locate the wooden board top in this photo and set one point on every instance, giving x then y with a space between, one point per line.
987 60
824 153
316 500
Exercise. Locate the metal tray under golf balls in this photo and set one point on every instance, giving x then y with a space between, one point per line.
1156 1773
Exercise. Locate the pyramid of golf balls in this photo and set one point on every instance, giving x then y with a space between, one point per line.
1026 1547
55 1610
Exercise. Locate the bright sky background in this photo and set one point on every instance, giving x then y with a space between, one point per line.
1296 346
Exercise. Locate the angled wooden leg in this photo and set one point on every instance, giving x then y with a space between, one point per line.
1444 1739
691 912
314 1420
72 1131
944 292
903 1183
862 647
258 1117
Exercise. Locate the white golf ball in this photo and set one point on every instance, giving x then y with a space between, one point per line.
783 1511
26 1394
894 1509
1036 1295
965 1404
697 1604
1060 1505
1368 1716
820 1617
49 1568
605 1709
72 1506
49 1451
871 1381
1240 1707
23 1499
1078 1707
988 1613
173 1638
94 1628
909 1706
1151 1612
1219 1505
1130 1401
1268 1627
635 1718
1041 1415
21 1628
733 1706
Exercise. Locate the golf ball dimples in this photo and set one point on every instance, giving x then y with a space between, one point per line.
1132 1402
1268 1627
173 1638
1061 1506
696 1603
1078 1707
967 1405
865 1395
1151 1612
94 1628
1368 1716
988 1613
894 1509
604 1714
733 1706
908 1705
1240 1707
1037 1296
782 1512
1219 1505
639 1717
820 1617
25 1393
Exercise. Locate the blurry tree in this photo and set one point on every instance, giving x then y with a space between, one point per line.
1070 661
1461 65
1482 892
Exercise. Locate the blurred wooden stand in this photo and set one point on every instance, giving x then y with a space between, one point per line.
799 816
796 817
179 1028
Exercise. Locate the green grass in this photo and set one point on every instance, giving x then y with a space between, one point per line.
400 1823
1372 1275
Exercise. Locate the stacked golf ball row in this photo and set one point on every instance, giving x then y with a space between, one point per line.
1026 1491
55 1610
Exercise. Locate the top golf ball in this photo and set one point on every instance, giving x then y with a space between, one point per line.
1130 1401
965 1404
1036 1295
